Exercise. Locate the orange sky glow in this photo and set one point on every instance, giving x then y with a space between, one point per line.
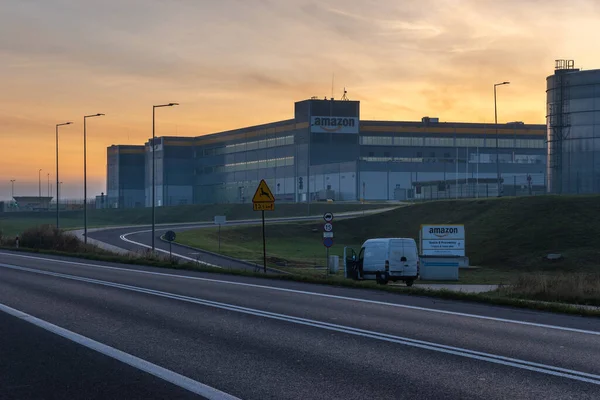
234 63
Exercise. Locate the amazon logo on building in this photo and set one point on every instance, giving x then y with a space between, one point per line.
334 125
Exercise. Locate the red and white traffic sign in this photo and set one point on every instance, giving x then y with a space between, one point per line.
328 227
328 217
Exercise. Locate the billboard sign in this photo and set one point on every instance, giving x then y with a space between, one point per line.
334 125
442 240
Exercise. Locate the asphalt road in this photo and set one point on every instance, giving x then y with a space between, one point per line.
260 339
37 364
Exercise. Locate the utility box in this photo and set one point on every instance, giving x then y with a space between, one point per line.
439 268
334 264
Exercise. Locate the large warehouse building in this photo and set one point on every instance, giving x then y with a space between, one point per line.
327 152
573 119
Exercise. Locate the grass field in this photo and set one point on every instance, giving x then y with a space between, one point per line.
505 237
12 224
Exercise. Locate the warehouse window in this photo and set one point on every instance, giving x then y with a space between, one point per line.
377 140
439 142
403 141
503 143
257 164
470 142
256 144
531 143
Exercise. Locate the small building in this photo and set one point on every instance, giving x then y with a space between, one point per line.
32 203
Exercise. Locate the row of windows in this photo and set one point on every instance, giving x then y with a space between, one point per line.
254 145
503 159
412 141
249 165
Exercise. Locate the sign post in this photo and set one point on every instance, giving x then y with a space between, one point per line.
220 220
170 237
263 200
327 236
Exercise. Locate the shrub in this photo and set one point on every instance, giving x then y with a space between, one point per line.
47 237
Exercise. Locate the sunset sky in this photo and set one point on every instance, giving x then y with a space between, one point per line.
234 63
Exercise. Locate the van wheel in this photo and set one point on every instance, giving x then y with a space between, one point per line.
380 280
409 282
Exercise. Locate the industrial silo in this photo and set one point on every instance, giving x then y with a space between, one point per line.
573 120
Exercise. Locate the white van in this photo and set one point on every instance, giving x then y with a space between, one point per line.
390 259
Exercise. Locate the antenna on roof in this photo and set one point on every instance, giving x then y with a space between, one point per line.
345 97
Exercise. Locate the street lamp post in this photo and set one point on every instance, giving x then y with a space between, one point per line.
48 188
154 169
40 183
497 148
12 189
85 175
57 188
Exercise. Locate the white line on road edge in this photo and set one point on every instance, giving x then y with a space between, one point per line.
316 294
458 351
124 238
136 362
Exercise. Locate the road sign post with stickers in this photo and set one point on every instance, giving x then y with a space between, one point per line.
263 200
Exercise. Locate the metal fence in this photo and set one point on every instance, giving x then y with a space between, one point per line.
515 185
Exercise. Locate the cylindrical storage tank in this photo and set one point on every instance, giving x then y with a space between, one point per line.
573 123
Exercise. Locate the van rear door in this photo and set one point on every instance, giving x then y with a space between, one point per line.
403 257
395 254
412 258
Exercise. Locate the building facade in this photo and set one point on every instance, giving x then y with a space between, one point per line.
573 120
125 171
327 152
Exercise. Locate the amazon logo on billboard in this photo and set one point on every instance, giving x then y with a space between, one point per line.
334 125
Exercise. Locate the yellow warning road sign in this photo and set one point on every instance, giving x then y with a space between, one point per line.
263 198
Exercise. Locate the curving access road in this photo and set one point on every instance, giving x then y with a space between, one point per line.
139 239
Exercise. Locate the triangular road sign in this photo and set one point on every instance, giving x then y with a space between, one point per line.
263 193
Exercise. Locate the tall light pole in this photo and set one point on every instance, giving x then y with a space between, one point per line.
57 188
496 124
85 174
40 183
48 188
154 169
12 189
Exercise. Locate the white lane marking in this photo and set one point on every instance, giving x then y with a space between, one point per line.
482 356
124 238
136 362
315 294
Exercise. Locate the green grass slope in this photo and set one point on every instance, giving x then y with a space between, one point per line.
504 234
